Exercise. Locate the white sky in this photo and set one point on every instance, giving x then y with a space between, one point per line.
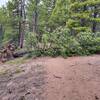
3 2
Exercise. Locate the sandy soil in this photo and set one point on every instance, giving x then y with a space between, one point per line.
74 78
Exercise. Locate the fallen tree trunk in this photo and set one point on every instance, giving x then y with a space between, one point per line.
20 53
7 53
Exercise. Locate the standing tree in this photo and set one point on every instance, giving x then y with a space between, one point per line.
17 16
83 15
39 13
59 14
22 16
33 15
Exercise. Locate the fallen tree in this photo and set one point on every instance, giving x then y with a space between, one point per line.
7 52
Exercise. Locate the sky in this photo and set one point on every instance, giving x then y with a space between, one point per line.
3 2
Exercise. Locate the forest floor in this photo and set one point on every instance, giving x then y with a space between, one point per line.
74 78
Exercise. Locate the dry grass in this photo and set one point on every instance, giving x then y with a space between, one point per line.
17 61
3 71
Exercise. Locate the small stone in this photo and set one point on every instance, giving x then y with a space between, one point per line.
22 98
96 97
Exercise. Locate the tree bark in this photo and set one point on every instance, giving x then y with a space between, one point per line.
22 23
1 32
94 22
35 22
35 17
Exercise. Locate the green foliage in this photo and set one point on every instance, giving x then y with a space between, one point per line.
31 41
9 22
85 39
61 43
63 27
89 42
83 15
59 14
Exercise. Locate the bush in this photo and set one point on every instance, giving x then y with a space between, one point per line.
31 41
62 43
97 34
85 39
89 42
74 47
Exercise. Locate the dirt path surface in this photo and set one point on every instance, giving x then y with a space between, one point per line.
74 78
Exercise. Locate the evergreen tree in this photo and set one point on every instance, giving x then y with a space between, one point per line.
33 13
59 14
16 12
2 23
83 15
44 9
11 26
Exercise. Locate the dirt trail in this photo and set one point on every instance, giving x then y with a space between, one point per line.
74 78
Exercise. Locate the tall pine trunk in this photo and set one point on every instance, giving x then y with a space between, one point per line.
1 33
94 24
22 23
35 17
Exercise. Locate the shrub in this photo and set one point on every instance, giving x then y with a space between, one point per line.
85 39
74 47
97 34
31 41
62 43
89 42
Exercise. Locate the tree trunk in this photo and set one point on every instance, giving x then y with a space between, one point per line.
1 33
22 23
83 22
35 18
1 30
94 22
35 22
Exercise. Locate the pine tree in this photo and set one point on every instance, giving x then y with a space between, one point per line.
42 11
3 21
45 14
33 13
17 16
83 15
59 14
